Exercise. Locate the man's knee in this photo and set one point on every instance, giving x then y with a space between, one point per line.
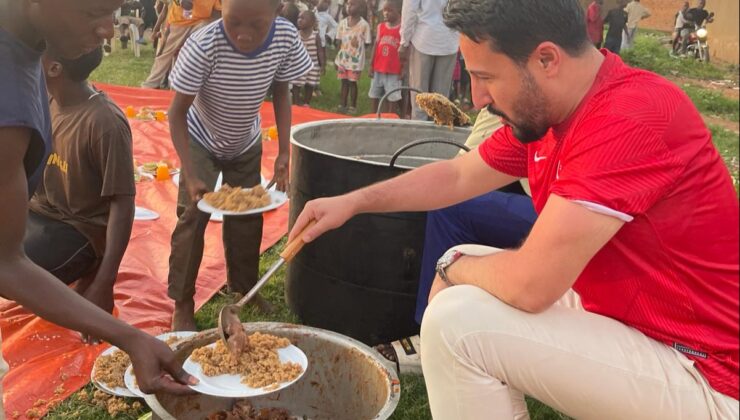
458 310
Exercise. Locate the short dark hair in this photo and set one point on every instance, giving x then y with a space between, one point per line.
398 4
516 27
79 69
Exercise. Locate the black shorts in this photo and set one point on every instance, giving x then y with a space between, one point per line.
58 248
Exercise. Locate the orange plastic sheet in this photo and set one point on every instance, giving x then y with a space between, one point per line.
47 362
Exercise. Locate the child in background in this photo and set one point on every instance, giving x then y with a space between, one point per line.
220 81
290 12
312 43
327 24
354 35
386 68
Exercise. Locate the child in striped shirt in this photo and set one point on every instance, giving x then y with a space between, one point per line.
221 78
312 42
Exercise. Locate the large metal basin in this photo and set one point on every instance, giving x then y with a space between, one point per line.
345 380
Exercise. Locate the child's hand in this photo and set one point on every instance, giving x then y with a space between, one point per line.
196 188
281 172
370 72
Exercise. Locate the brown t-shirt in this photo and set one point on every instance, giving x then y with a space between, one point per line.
91 161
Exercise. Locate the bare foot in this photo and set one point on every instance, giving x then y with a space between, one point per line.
183 319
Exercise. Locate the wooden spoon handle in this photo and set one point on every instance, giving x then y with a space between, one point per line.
295 246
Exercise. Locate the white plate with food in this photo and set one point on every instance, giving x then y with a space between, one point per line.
173 337
231 386
130 380
276 199
106 371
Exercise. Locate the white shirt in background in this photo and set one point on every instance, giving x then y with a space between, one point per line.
327 26
635 13
422 26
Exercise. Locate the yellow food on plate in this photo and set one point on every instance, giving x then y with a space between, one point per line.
238 199
109 369
259 363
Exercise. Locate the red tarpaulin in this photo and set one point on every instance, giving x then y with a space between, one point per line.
48 362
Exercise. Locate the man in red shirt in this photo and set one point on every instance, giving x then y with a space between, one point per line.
637 214
595 23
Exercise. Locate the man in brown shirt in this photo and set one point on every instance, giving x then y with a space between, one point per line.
81 215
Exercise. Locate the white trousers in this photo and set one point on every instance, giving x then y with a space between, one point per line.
480 356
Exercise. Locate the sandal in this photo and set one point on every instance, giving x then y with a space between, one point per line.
403 355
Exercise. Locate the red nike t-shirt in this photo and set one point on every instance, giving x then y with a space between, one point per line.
637 149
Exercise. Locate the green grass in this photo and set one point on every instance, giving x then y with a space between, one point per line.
712 102
123 69
650 54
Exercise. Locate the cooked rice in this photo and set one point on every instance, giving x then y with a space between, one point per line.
243 410
259 363
109 369
238 199
442 110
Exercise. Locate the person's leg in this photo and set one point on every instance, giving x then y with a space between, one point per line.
343 95
307 94
163 62
353 95
420 73
481 356
376 91
685 33
58 248
441 78
296 94
188 240
242 235
497 219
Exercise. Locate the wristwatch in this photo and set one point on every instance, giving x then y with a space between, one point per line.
445 261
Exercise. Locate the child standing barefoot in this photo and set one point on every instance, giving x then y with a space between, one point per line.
354 35
312 42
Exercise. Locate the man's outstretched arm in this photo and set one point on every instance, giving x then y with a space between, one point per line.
49 298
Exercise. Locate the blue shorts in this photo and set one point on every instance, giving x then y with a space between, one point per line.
383 83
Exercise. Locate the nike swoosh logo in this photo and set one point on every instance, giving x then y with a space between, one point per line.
538 158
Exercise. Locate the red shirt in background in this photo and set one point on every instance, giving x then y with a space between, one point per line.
594 23
386 58
637 149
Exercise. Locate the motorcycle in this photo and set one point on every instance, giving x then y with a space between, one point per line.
697 46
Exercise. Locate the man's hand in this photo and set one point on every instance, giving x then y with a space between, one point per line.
156 368
282 180
196 188
437 286
403 54
329 213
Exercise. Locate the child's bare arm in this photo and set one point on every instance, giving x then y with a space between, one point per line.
281 105
322 54
177 116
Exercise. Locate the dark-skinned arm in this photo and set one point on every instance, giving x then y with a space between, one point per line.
179 131
118 233
281 106
47 297
322 55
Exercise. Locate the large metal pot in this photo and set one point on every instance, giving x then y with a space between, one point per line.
345 380
361 280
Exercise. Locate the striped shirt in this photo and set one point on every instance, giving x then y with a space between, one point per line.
229 86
